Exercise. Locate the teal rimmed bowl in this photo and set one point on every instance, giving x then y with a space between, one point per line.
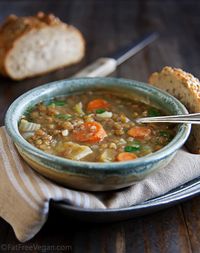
94 176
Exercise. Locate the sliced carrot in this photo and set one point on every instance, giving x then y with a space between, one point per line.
139 132
97 104
126 156
89 132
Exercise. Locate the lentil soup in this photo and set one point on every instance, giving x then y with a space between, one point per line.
95 126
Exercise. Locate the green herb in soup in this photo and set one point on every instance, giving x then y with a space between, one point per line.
95 126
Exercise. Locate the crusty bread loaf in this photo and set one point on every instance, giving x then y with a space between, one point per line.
31 46
186 88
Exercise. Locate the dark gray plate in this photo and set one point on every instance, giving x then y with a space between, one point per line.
186 191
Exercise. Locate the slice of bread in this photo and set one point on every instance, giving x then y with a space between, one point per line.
31 46
186 88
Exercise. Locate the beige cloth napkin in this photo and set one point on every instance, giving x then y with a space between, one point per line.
25 195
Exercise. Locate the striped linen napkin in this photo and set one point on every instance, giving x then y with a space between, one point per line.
25 195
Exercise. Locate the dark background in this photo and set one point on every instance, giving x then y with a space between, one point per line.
108 25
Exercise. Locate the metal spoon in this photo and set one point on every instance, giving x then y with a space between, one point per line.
193 118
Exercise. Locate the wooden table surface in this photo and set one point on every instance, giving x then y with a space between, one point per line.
107 25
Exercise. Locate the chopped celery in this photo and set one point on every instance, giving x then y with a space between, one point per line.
133 146
153 112
99 111
56 103
164 134
63 116
131 149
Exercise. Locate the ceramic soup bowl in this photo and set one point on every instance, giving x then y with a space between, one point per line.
95 176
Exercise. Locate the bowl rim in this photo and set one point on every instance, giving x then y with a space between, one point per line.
167 150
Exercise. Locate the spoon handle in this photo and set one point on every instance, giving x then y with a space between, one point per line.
193 118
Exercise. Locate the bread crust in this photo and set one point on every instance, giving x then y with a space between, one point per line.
186 88
15 27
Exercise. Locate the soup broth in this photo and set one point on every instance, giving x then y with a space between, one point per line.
95 126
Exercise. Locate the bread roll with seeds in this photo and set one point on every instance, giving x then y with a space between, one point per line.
186 88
